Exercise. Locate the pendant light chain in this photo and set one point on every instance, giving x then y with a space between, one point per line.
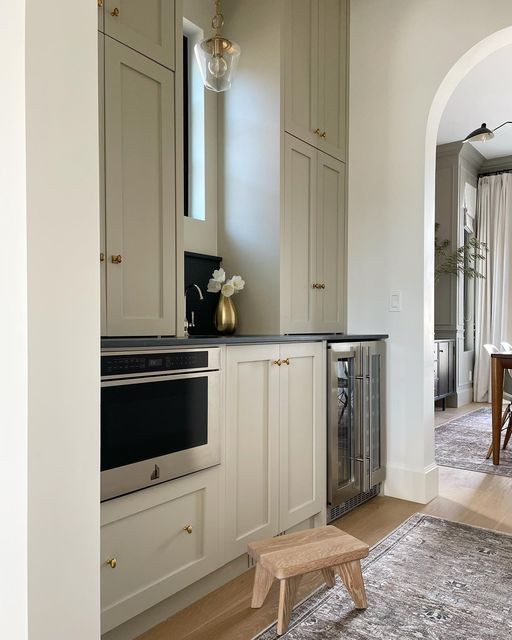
218 19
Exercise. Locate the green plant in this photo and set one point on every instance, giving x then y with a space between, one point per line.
463 260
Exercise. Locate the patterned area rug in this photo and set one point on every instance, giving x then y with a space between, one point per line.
463 443
431 579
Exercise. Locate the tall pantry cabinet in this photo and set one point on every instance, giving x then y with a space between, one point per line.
284 222
137 100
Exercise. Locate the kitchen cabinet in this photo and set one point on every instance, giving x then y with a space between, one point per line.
101 121
156 542
313 240
275 431
101 15
146 27
301 433
140 207
316 73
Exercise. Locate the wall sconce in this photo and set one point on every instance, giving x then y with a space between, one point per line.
483 133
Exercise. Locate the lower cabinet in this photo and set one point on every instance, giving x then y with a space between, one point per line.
275 426
156 542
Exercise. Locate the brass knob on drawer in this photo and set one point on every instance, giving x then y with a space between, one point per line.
317 131
188 528
278 362
286 361
115 12
117 259
322 286
315 285
323 135
112 563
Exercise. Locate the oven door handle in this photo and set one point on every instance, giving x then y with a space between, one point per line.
119 382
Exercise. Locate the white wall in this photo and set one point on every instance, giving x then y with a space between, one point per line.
13 326
402 54
59 226
201 235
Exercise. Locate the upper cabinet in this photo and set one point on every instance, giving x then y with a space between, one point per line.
140 194
146 26
316 73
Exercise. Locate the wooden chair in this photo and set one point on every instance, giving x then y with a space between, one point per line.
288 557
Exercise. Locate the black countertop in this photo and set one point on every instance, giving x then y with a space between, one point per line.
170 341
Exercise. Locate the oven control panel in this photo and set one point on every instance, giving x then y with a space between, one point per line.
151 363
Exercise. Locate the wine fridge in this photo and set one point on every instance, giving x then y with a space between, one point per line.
356 428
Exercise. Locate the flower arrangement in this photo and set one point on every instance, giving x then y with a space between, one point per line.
227 288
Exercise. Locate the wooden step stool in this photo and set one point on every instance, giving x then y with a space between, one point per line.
289 557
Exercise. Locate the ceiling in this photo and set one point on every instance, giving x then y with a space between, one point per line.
484 95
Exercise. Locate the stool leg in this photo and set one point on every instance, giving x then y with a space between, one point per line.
288 590
262 582
351 575
328 576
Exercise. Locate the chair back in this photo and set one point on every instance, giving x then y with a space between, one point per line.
507 347
490 348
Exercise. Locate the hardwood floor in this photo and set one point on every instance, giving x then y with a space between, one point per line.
465 496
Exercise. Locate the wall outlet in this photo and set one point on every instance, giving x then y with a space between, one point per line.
395 301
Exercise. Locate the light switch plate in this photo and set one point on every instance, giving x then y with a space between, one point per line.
395 301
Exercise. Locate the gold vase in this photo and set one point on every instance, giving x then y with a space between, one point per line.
225 316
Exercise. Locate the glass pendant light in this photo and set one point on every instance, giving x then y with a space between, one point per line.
217 57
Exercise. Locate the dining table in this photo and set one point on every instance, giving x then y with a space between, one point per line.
499 362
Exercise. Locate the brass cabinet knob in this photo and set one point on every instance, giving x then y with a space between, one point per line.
286 361
115 12
322 286
317 131
278 362
102 257
314 285
112 563
100 3
188 528
323 135
117 259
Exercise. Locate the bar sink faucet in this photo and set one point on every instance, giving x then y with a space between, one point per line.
187 325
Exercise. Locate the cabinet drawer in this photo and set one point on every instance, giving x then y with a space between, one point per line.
155 555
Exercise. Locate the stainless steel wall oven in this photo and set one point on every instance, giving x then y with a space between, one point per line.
159 416
356 430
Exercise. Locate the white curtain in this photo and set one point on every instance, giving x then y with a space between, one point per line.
493 295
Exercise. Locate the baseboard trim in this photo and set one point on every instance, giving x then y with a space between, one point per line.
410 484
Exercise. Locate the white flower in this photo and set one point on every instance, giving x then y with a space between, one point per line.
227 290
214 286
237 283
219 275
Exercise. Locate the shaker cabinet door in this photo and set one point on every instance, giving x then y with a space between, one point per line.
140 194
301 77
332 77
299 293
302 433
144 25
331 240
252 445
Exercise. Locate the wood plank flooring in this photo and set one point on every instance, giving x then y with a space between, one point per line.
225 614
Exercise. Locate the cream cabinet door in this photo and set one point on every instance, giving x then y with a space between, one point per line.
140 194
145 535
302 117
101 120
144 25
331 241
298 296
252 445
302 432
332 77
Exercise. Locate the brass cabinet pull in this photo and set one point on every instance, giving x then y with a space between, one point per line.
112 563
100 3
115 12
323 135
102 257
286 361
188 528
322 286
317 131
278 362
117 259
315 285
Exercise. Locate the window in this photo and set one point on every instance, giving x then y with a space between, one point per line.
193 126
